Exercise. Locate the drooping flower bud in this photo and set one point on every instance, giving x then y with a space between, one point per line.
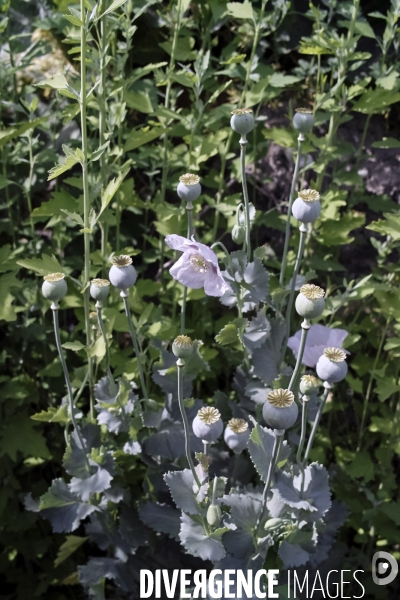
236 435
307 207
303 120
122 273
182 347
242 120
310 302
207 424
54 286
238 234
280 410
99 289
214 515
332 366
309 385
189 188
272 524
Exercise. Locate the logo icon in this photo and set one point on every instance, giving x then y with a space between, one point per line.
384 568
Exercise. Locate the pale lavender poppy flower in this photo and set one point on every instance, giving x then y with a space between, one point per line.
197 267
319 337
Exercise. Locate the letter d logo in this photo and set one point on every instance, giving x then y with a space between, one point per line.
382 568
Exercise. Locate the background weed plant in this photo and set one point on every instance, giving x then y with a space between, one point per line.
103 107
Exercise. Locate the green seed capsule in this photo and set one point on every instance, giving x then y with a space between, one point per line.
54 286
213 515
182 347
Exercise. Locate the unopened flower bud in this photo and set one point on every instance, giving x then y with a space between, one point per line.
54 286
122 273
332 366
93 319
310 302
207 424
303 120
272 524
238 234
242 120
182 347
214 515
280 410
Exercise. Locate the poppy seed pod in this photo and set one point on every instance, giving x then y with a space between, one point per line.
303 120
54 286
238 234
242 120
207 424
99 289
310 302
332 366
236 435
280 410
309 385
307 207
182 347
213 515
122 273
189 188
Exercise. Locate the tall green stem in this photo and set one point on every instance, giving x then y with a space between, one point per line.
86 201
300 139
303 232
274 458
164 176
55 308
180 364
243 142
305 326
102 118
328 388
29 190
124 295
305 400
13 229
371 379
189 211
99 307
256 38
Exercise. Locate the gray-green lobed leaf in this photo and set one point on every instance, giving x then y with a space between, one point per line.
260 446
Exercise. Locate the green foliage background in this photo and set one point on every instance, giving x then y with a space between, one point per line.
162 104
